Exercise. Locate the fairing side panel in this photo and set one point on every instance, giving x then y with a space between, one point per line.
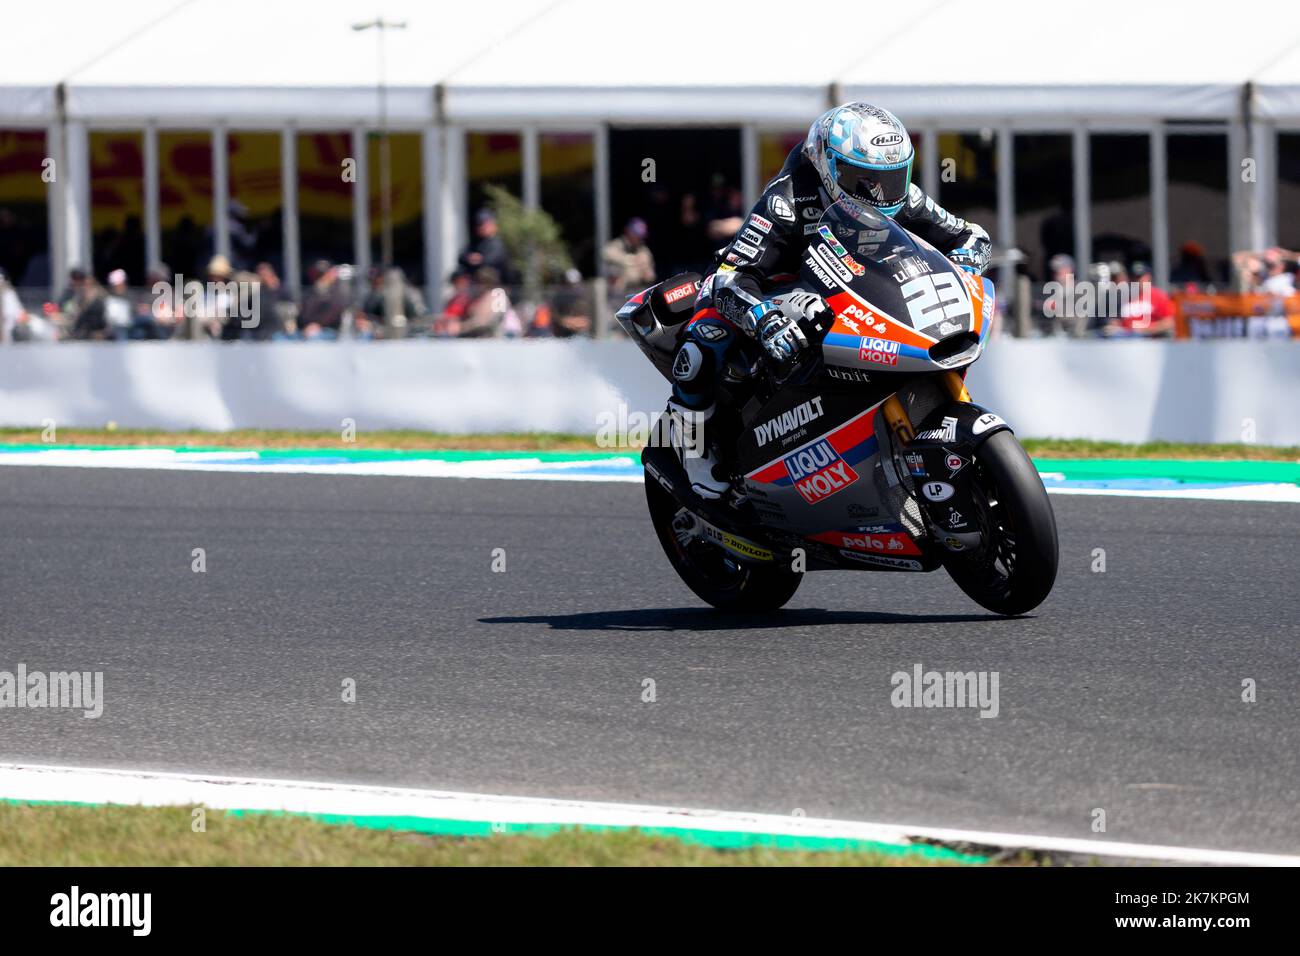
811 462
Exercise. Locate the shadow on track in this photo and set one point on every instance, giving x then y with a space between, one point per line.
707 619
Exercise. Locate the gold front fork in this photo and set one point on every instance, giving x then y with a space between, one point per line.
956 387
898 421
897 418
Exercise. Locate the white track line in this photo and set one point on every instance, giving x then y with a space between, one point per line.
135 787
1279 492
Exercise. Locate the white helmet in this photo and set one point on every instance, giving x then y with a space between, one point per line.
864 157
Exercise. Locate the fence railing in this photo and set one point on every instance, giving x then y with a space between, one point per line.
328 311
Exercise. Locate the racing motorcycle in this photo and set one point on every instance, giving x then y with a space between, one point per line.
868 452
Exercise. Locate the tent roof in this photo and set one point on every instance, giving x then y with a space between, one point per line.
674 61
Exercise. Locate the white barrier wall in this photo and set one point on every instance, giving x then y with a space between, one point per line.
1125 391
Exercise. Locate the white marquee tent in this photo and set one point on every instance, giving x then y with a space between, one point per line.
76 65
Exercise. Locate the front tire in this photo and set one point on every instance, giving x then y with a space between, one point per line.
1016 569
714 575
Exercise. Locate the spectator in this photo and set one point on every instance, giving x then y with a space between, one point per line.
726 212
629 264
154 312
487 251
118 310
391 300
490 313
219 302
1061 268
76 282
457 305
276 310
11 309
243 237
571 311
1248 268
242 313
1150 313
84 308
38 326
1266 272
1192 271
325 304
19 325
1278 279
692 251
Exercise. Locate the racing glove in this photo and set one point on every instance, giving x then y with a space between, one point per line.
778 330
970 260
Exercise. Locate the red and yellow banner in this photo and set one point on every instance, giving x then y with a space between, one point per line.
22 155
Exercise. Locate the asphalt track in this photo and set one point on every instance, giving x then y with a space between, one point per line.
1122 692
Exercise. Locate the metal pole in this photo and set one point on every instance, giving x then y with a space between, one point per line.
1239 197
152 215
431 183
750 160
56 207
604 227
361 204
1006 209
382 26
292 264
930 162
76 192
220 192
1159 207
455 197
600 291
385 165
1082 198
530 145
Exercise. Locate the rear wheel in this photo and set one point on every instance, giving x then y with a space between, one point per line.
1017 567
712 573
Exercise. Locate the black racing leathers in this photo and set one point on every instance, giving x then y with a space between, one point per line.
782 225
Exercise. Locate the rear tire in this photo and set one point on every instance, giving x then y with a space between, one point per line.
1017 568
714 575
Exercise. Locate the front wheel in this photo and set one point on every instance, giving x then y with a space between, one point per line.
712 573
1015 570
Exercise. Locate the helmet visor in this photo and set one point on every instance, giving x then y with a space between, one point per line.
881 188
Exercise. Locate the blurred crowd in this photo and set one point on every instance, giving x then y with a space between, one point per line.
1122 299
486 296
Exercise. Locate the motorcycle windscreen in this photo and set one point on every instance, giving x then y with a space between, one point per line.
898 274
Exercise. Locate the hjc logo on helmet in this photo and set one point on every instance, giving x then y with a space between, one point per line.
887 139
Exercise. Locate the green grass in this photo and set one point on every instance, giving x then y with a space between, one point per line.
411 440
50 835
1081 448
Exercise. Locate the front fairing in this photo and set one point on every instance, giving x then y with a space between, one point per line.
900 305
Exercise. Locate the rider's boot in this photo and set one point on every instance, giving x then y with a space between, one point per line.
687 437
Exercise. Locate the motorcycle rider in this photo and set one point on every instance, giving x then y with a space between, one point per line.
857 156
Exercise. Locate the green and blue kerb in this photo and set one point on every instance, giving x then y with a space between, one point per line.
1182 477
